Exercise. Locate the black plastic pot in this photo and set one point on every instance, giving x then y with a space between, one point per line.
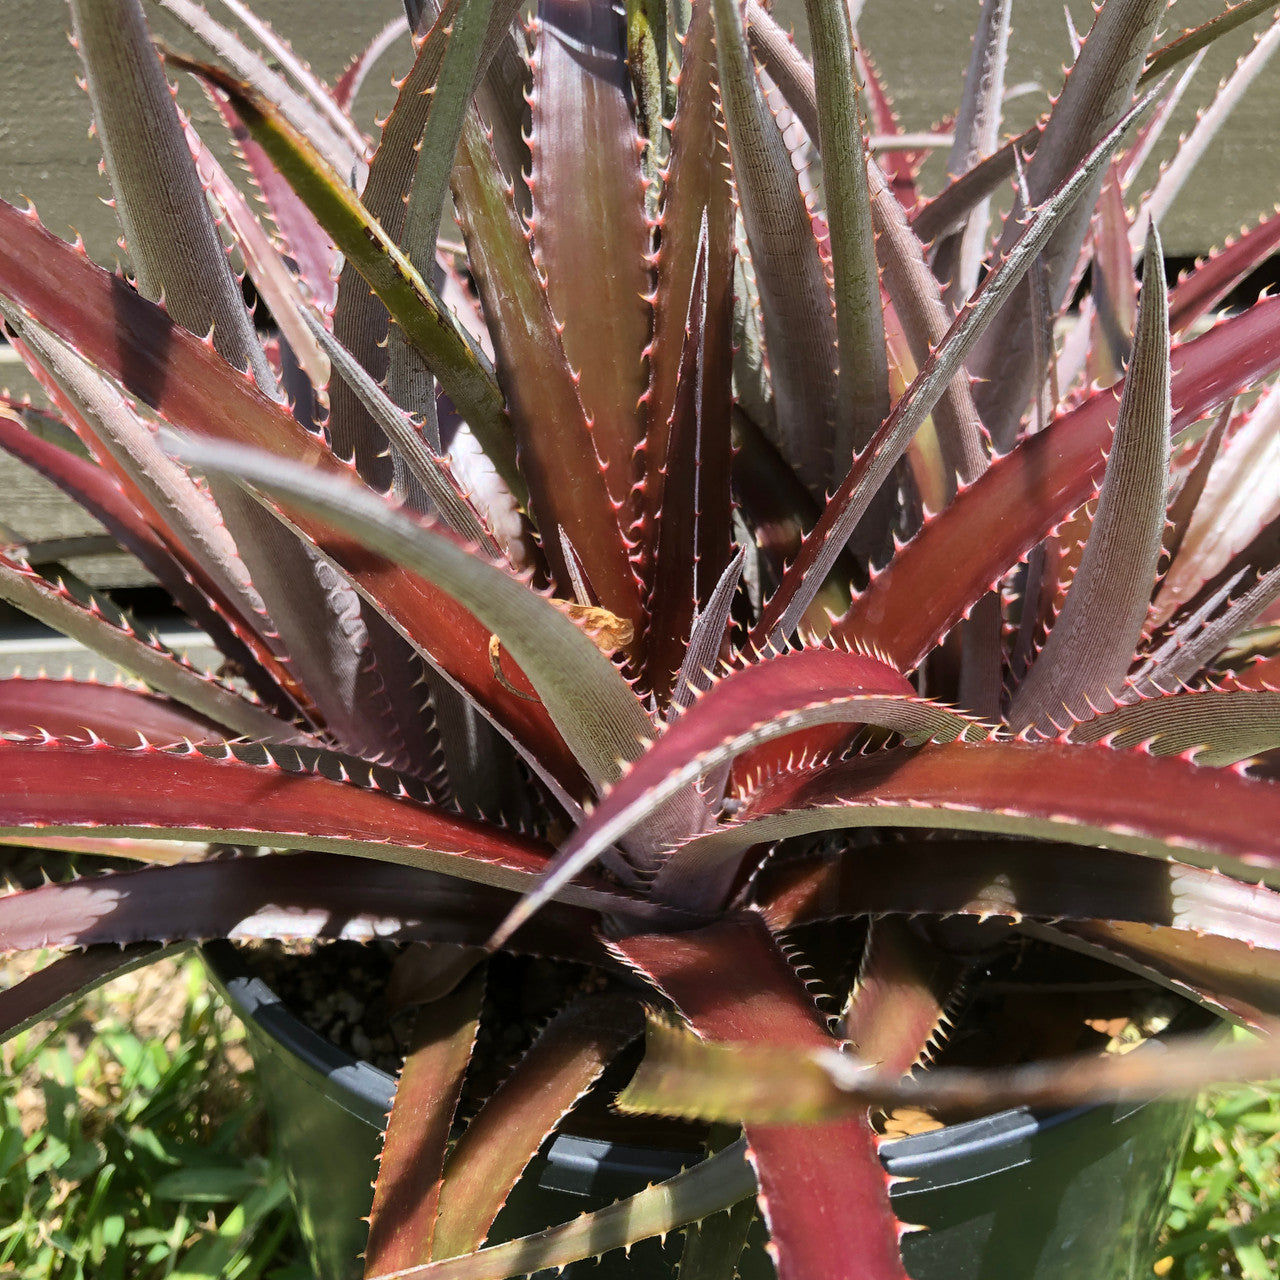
1014 1196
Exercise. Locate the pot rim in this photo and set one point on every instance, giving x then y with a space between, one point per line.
953 1154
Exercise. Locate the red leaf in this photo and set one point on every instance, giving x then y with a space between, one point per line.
957 556
99 494
69 785
195 390
490 1156
1198 290
591 237
1049 790
826 1203
121 716
407 1192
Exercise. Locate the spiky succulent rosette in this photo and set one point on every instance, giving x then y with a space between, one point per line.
683 549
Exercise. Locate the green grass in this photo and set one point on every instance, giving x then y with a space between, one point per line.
131 1145
1224 1217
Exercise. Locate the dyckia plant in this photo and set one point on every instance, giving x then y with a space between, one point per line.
708 535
